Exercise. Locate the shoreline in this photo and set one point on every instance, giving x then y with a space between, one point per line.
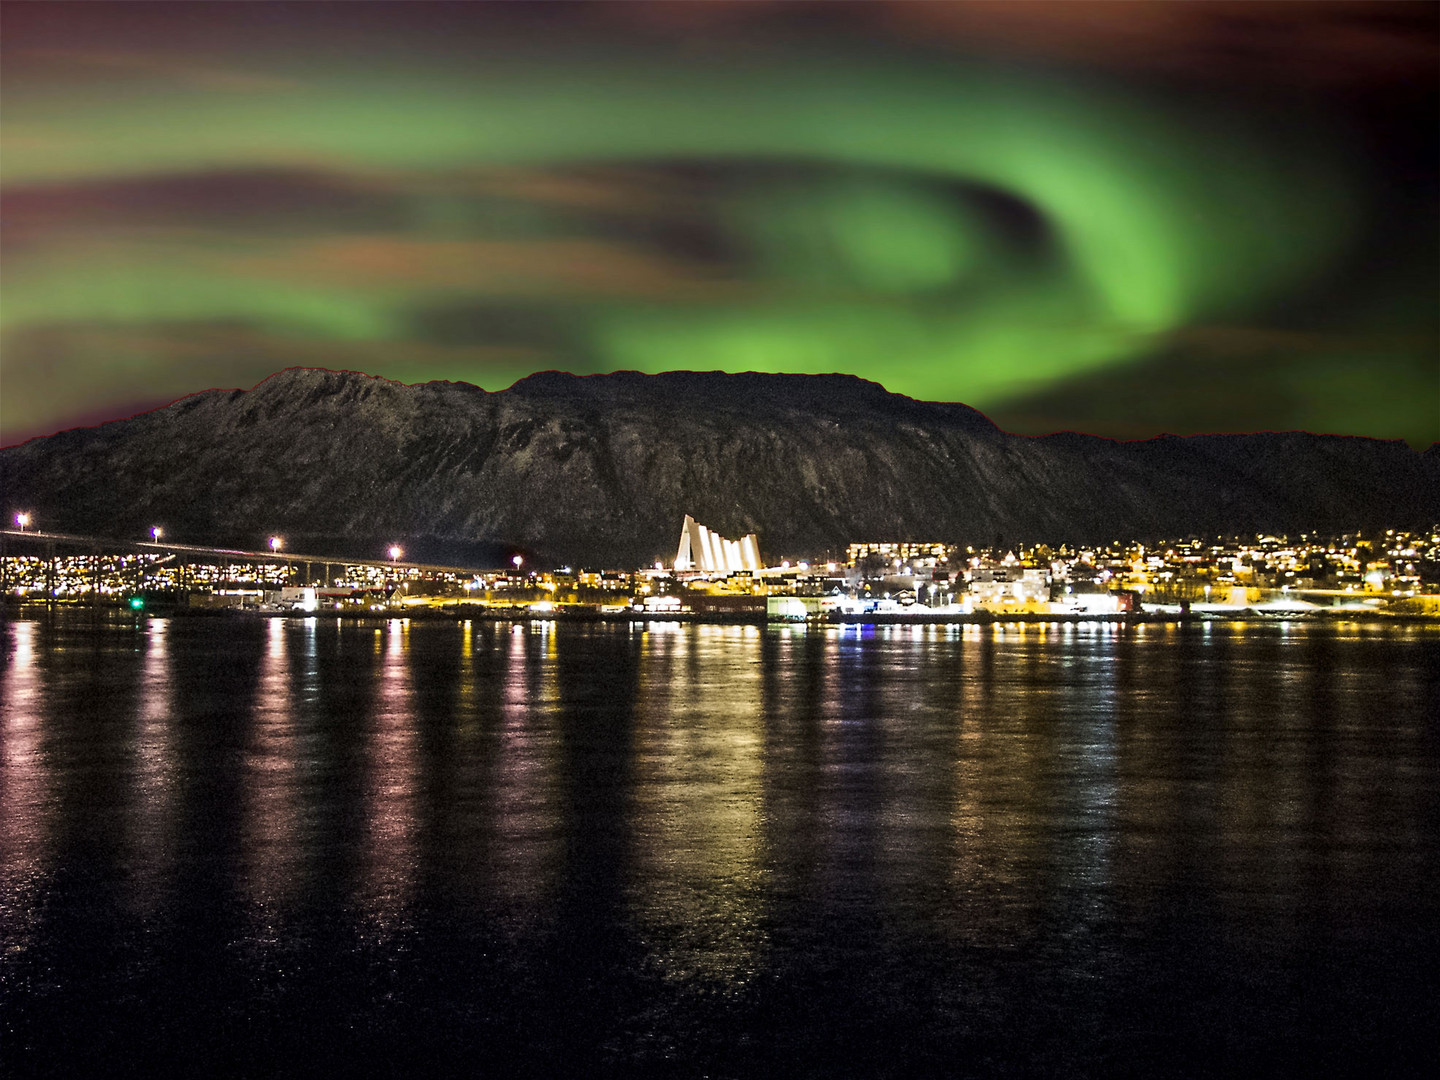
457 614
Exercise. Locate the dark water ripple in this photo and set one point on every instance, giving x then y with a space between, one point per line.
251 847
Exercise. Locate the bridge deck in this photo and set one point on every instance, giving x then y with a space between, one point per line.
164 546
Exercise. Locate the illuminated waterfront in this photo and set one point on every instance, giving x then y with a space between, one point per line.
1394 572
661 849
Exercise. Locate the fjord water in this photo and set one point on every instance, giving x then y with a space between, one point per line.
280 847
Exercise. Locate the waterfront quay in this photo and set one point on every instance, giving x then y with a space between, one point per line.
1390 572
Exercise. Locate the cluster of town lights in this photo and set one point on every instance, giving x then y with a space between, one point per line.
1261 573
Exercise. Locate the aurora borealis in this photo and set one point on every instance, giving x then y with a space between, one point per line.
969 208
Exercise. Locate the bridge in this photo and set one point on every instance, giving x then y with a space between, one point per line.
95 546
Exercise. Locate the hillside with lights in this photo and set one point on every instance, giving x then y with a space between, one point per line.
601 470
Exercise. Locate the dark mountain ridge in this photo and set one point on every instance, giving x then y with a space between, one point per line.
599 470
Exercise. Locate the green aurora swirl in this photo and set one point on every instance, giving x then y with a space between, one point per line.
882 255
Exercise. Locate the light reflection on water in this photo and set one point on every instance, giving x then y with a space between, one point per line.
274 845
526 842
932 769
721 807
698 801
151 809
26 806
390 778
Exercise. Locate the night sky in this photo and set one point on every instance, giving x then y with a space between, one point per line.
1126 219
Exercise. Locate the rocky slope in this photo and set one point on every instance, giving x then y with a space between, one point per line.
600 470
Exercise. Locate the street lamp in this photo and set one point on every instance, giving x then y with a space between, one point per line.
517 560
156 532
276 543
22 519
395 552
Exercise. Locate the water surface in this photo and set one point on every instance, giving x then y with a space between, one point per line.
271 846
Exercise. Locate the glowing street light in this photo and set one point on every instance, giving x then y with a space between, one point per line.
156 532
22 519
395 552
517 560
276 543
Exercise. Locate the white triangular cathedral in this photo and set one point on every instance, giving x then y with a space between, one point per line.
701 549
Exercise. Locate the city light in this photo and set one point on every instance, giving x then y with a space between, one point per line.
1233 576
